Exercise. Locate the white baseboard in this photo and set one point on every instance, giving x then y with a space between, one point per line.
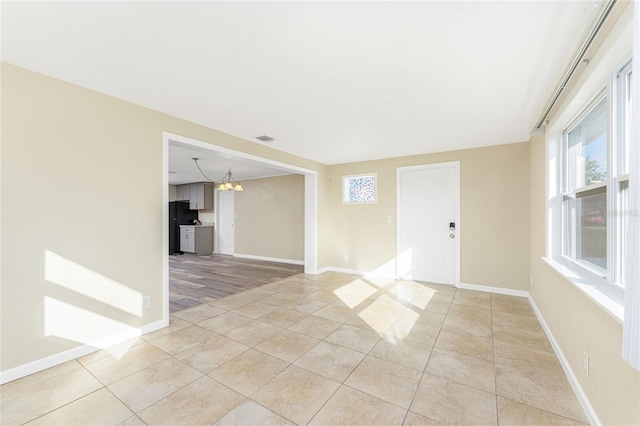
357 272
341 270
269 259
573 380
71 354
497 290
322 270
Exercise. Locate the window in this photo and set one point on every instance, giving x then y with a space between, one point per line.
585 190
622 114
594 184
359 189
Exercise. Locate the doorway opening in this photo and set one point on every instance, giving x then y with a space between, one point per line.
310 201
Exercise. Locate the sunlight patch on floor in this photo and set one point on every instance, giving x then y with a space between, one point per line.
354 293
401 329
422 300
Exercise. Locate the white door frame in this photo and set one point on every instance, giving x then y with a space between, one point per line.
456 166
310 205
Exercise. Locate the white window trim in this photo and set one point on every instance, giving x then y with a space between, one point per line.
593 270
360 175
609 298
602 291
617 97
631 329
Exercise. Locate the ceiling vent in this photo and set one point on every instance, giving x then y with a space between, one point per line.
265 138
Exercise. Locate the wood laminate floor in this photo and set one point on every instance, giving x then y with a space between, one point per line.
194 280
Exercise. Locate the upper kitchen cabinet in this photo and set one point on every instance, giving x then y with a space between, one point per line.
182 192
201 196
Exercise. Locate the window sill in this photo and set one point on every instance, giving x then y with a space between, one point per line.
609 298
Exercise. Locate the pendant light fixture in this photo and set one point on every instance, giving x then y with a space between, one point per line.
226 183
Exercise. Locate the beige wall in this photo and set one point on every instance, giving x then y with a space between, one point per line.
270 217
494 215
93 163
173 192
577 323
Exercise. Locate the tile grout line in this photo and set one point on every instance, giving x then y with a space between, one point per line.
418 387
343 383
307 315
340 384
495 370
424 370
250 397
65 404
168 395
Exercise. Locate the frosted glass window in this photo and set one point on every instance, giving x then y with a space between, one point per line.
359 189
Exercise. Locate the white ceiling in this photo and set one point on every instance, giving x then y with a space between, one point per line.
214 165
332 81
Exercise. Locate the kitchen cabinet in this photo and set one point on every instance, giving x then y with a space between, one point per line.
201 196
196 239
182 192
187 239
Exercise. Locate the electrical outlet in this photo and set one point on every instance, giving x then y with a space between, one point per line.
586 363
346 258
531 281
146 301
388 219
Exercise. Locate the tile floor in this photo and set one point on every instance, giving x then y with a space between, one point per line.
332 349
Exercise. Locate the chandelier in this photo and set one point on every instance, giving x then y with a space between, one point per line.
226 183
229 184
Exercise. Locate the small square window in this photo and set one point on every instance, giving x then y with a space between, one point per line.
359 189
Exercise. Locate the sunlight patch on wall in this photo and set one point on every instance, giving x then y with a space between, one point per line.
70 275
80 325
405 264
382 275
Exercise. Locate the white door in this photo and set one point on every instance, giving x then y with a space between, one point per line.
226 219
428 223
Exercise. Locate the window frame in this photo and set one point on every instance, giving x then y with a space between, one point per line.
605 290
621 132
566 192
356 176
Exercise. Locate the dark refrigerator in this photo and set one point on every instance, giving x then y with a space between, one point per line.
179 214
